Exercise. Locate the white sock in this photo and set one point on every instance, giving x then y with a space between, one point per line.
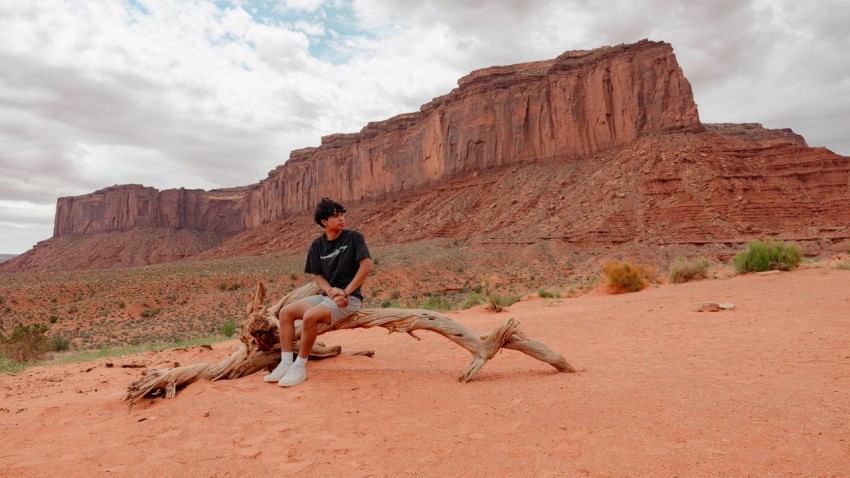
300 362
286 357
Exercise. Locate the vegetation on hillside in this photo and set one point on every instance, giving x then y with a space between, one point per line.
760 256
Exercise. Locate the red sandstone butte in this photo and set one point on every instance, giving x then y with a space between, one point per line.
573 106
590 150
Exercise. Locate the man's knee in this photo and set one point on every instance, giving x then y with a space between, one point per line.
288 313
316 315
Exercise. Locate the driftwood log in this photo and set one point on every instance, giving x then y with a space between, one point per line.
260 347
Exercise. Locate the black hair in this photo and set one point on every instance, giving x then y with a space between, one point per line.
325 209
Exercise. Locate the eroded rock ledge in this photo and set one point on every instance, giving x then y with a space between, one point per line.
573 106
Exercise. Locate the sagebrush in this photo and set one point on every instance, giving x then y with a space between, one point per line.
760 256
684 270
27 343
626 277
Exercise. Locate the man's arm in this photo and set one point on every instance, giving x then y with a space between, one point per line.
359 278
338 295
323 284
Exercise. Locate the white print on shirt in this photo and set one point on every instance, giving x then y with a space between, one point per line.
334 253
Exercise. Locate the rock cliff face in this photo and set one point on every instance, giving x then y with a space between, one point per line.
133 206
585 153
574 106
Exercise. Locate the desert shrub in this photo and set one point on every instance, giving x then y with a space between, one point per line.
395 294
625 276
473 299
435 302
222 286
547 294
234 286
147 313
228 328
59 343
27 343
768 255
392 304
498 302
684 270
53 319
842 265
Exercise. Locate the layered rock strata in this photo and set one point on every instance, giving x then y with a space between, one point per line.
574 106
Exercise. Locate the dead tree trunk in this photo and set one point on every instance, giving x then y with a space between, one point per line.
260 347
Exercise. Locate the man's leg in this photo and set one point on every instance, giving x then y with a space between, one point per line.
287 317
311 319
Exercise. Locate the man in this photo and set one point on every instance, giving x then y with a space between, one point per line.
339 261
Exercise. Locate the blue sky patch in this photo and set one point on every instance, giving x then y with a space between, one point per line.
337 21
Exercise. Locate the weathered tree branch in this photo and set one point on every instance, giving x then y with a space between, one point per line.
260 347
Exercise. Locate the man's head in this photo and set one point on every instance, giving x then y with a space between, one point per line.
325 209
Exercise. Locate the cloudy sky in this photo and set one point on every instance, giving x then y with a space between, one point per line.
208 94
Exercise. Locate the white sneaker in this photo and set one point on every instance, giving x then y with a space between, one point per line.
294 376
278 372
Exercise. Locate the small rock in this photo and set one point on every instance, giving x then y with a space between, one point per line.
767 273
714 306
708 307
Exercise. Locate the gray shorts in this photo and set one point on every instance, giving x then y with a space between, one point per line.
337 313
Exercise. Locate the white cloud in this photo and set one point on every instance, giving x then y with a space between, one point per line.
307 5
313 29
184 93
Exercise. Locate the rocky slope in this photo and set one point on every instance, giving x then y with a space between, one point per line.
573 106
590 150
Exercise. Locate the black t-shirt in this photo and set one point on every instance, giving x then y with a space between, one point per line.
337 260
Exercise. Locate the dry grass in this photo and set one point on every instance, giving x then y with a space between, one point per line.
626 277
684 270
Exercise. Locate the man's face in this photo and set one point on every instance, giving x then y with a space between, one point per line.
335 222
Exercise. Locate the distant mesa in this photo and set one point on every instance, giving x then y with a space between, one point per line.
593 148
6 257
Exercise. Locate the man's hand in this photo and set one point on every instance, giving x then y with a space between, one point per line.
339 296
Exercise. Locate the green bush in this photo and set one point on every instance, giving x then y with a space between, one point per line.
548 295
683 270
150 312
473 299
498 302
625 276
59 343
27 343
843 265
53 319
435 302
391 304
760 256
228 328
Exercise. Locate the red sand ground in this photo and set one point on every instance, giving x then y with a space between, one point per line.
663 390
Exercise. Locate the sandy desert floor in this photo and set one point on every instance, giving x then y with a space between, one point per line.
662 390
